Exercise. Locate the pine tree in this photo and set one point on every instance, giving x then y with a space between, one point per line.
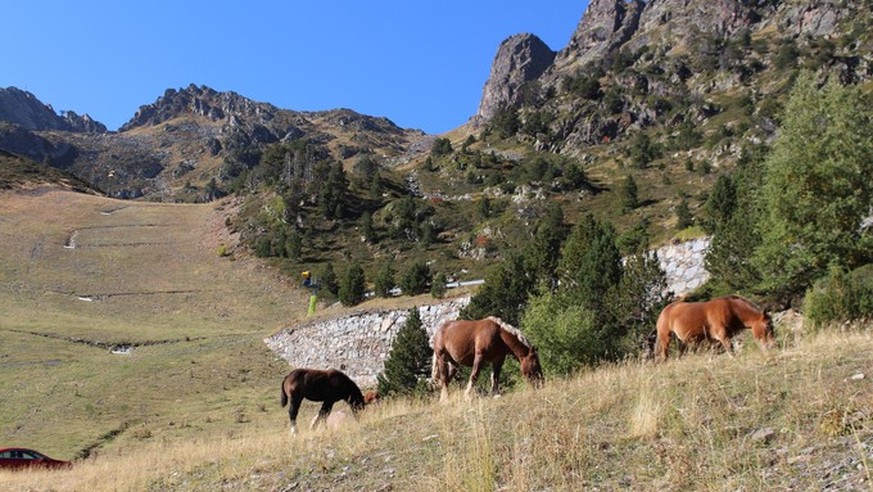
384 281
327 279
438 286
683 215
629 198
409 362
504 293
416 280
352 286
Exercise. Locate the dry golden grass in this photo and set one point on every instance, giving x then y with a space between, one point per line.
794 419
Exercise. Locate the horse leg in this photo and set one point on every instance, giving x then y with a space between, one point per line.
495 377
662 344
726 343
444 375
474 375
326 407
292 412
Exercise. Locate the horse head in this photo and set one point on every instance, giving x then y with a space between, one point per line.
762 330
371 396
531 368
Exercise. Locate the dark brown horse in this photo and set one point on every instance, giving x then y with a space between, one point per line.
327 386
719 319
474 343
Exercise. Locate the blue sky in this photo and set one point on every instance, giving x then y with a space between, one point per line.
421 64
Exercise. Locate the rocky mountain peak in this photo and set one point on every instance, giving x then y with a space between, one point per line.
25 110
201 101
520 59
606 25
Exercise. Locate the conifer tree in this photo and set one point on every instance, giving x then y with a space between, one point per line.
384 281
629 198
409 363
352 286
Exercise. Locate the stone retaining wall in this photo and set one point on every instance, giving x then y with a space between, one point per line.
683 263
357 345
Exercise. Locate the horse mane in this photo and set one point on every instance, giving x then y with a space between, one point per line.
744 301
512 330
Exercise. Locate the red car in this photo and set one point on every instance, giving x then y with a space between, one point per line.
26 458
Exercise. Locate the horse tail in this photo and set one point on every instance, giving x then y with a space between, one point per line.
284 398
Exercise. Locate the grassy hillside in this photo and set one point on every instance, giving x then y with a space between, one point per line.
132 274
18 172
798 418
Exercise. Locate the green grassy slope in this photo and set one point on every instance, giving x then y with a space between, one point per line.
155 280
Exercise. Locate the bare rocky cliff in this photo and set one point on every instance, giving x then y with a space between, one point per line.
520 59
684 29
23 109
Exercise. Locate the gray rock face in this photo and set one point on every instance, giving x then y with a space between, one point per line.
520 59
24 109
606 25
202 101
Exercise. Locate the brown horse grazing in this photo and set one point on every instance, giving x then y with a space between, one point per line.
718 319
328 386
472 343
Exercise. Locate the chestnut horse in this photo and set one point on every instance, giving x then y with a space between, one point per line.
473 343
718 319
327 386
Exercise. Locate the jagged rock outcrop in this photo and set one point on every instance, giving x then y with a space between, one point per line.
605 26
24 109
686 28
520 59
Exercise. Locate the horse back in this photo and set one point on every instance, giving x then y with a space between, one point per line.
461 339
318 384
701 319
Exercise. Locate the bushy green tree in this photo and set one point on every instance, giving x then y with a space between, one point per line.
505 292
368 230
643 151
721 203
353 286
590 264
629 194
416 280
818 187
384 280
684 218
840 296
734 222
505 121
333 192
438 286
542 252
441 147
327 280
567 335
409 363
